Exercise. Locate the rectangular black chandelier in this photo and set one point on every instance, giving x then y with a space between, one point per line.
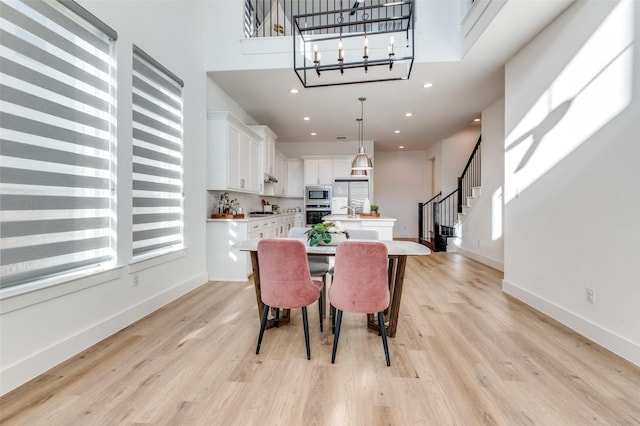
361 44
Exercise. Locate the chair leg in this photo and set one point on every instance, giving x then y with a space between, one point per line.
321 310
383 333
305 324
333 319
336 336
263 324
324 295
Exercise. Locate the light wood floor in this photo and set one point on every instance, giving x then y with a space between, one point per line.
465 354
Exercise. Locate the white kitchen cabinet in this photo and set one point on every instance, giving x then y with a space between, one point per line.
295 178
281 173
342 167
318 171
268 149
227 264
233 154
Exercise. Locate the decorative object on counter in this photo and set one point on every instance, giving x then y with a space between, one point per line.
373 211
327 233
228 208
366 206
275 207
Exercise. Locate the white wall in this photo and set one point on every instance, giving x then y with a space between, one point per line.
42 328
436 21
571 210
482 227
402 180
456 150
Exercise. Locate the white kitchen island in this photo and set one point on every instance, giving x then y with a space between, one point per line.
383 224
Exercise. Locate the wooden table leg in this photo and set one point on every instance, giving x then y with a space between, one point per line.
397 266
396 295
285 315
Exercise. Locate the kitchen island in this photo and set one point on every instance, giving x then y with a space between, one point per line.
383 224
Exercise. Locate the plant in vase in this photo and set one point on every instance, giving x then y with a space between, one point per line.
324 233
374 208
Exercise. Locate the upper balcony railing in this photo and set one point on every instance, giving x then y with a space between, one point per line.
274 18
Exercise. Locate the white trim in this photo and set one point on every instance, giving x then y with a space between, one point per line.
149 260
496 264
601 336
22 295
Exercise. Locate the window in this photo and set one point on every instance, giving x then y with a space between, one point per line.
157 158
57 141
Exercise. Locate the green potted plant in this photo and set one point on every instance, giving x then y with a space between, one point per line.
326 233
374 208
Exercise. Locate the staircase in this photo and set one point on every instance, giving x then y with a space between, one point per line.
439 218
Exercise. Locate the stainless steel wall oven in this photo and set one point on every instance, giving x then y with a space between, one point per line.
317 200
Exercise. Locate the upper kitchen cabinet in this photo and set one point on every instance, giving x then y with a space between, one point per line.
268 149
234 155
324 170
318 171
295 178
281 174
342 166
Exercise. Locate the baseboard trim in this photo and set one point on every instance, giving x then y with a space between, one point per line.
496 264
603 337
19 373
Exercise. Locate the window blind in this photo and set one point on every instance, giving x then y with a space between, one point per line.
157 158
57 144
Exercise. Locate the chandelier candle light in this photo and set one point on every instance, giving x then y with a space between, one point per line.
374 43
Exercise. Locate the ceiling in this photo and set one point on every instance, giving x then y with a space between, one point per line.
460 91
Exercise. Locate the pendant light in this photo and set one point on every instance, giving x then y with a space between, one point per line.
361 162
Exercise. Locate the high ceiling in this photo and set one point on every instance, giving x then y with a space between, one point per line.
460 91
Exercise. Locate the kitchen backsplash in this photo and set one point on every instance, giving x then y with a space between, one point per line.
252 202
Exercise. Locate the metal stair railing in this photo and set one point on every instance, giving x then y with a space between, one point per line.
470 177
427 213
439 217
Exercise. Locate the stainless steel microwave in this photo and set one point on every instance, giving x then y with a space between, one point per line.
317 195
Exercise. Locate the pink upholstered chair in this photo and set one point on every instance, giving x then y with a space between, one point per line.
285 281
360 285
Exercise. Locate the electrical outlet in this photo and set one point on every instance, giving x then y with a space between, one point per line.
136 280
589 295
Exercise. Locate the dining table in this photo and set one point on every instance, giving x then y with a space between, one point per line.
397 252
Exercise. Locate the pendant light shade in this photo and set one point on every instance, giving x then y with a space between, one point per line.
361 162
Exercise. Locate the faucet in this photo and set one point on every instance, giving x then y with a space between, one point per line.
353 210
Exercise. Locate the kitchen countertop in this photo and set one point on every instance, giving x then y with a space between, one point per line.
248 218
345 218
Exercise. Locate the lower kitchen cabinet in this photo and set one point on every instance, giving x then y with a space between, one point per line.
227 264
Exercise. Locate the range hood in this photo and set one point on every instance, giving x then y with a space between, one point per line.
269 178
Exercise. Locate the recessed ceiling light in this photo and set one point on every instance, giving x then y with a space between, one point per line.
401 146
476 120
409 114
396 131
307 118
293 91
313 133
427 85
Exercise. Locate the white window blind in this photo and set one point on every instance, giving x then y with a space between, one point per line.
157 158
57 144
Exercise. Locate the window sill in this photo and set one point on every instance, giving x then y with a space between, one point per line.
152 260
24 295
